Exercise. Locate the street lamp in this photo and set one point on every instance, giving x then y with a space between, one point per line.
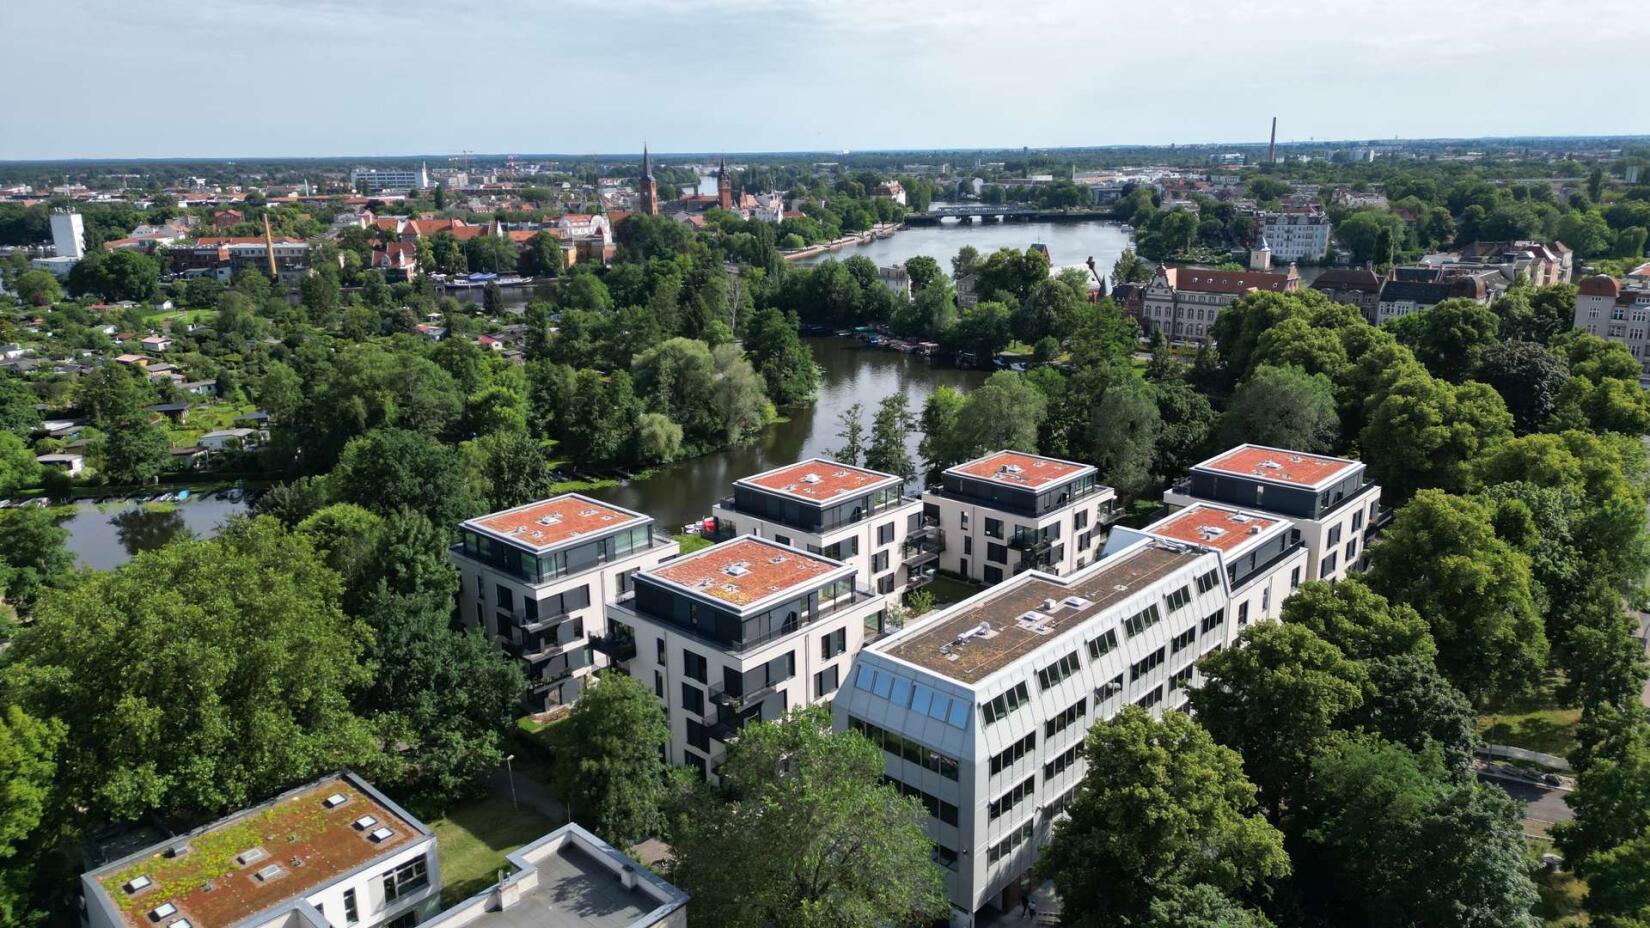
511 771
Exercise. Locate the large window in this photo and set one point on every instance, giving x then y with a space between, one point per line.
1142 620
905 748
1057 671
1065 719
1103 644
406 879
1145 665
693 665
1005 703
1006 758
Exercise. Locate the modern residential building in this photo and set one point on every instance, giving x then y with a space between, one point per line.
1618 311
1183 302
849 514
377 180
1264 556
1296 235
1330 501
1009 512
334 852
68 234
738 632
571 878
535 579
981 710
226 255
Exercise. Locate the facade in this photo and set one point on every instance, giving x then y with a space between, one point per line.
377 180
981 710
68 234
1354 286
1331 502
333 852
571 877
1618 311
1296 235
1009 512
1544 264
849 514
739 632
535 579
1264 557
231 254
1183 302
1413 289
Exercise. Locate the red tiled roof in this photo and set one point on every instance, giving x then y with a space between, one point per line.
552 521
744 570
1207 280
1279 465
818 480
1601 285
1212 526
1018 469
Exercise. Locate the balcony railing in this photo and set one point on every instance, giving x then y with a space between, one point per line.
919 578
618 648
1030 543
544 622
721 697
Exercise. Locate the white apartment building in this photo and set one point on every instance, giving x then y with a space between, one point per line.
68 234
1330 501
982 709
850 514
377 180
535 580
739 632
1301 235
1618 311
1010 512
334 852
1264 557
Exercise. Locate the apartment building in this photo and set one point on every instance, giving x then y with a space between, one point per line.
739 632
535 579
377 180
334 852
1296 234
981 710
1618 311
1330 501
1264 557
849 514
1183 302
1010 511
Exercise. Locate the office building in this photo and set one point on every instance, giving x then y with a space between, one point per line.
981 710
739 632
535 579
378 180
68 234
849 514
335 852
1009 512
1330 501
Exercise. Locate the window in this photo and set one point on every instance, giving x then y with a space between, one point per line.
1180 678
693 699
1208 581
833 644
1065 719
1212 621
1334 537
879 562
885 583
944 856
1352 550
659 651
698 736
1108 691
405 879
968 545
1103 644
1058 765
1007 757
1057 671
1013 840
506 602
658 684
1183 640
1142 620
1150 699
906 749
1145 665
1179 598
1080 520
696 762
1243 614
996 552
693 665
404 920
352 913
1329 564
1020 792
1357 520
992 574
1005 703
778 539
937 807
885 534
1295 579
826 681
993 528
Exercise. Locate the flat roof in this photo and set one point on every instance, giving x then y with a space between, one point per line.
1018 469
950 646
817 480
1279 465
746 570
555 521
1214 526
330 839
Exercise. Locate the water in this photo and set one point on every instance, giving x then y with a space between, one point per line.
852 373
105 536
1069 243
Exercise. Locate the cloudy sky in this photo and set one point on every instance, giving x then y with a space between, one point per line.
227 78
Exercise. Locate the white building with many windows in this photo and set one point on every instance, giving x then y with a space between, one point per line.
739 632
981 710
535 580
1618 311
1010 512
1296 235
1264 557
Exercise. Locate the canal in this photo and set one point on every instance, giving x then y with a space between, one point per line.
851 373
106 535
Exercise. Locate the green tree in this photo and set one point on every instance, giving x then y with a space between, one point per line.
1451 337
1611 799
1121 435
941 436
924 272
889 430
1201 906
1004 412
17 406
1188 420
34 555
1529 377
1423 432
658 440
1283 407
18 467
805 833
134 452
1162 807
199 678
389 469
28 768
1130 268
786 365
512 467
38 288
1359 621
610 760
851 430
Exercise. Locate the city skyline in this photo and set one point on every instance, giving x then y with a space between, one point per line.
753 76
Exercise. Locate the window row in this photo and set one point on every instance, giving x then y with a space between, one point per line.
1179 599
1004 704
1010 755
914 696
1103 645
1145 665
1059 670
1013 840
937 807
1065 719
1183 640
1058 765
1022 791
1142 620
1208 581
906 749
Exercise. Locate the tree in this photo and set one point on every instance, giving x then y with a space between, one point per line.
389 469
542 257
1451 337
38 288
28 768
924 272
805 833
1201 906
1611 800
1359 621
513 468
1423 432
658 440
939 448
739 399
33 555
18 467
786 365
1161 807
1283 407
1441 556
17 406
851 429
1361 231
1529 377
199 678
134 452
1121 435
1130 268
1411 704
889 430
1002 413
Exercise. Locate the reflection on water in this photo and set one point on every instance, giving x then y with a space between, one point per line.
852 373
142 529
1069 243
108 535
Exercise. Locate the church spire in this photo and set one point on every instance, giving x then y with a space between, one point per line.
647 165
647 189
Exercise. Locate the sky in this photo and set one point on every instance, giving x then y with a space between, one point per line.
243 78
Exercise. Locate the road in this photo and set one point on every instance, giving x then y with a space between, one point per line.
1541 803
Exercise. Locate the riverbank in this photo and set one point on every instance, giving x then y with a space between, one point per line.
880 231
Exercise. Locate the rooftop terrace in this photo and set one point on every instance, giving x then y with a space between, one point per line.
1279 466
255 860
1212 526
1018 469
984 634
745 570
554 521
818 480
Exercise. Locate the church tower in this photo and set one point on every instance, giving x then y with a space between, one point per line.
1260 256
724 186
647 188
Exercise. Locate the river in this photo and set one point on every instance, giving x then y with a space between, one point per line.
851 373
1069 243
105 536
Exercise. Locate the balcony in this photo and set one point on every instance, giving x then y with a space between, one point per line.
736 702
922 549
919 578
1031 544
544 622
618 648
724 724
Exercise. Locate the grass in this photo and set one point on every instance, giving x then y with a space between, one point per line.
1561 894
948 590
692 543
1535 723
473 839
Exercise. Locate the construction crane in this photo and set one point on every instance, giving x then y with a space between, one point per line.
464 156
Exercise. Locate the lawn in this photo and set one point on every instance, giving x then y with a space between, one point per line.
692 543
1535 723
1560 905
473 839
948 590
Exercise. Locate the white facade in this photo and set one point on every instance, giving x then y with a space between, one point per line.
380 179
68 235
1618 312
1296 236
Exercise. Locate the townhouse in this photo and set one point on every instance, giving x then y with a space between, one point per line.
1183 302
1618 311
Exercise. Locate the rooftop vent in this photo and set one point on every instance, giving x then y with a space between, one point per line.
551 519
250 856
365 822
981 631
1076 602
180 923
737 569
1050 605
1270 464
587 513
335 800
271 872
1254 530
811 478
380 835
177 850
777 559
1031 617
137 884
1239 517
1013 470
1210 532
164 910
